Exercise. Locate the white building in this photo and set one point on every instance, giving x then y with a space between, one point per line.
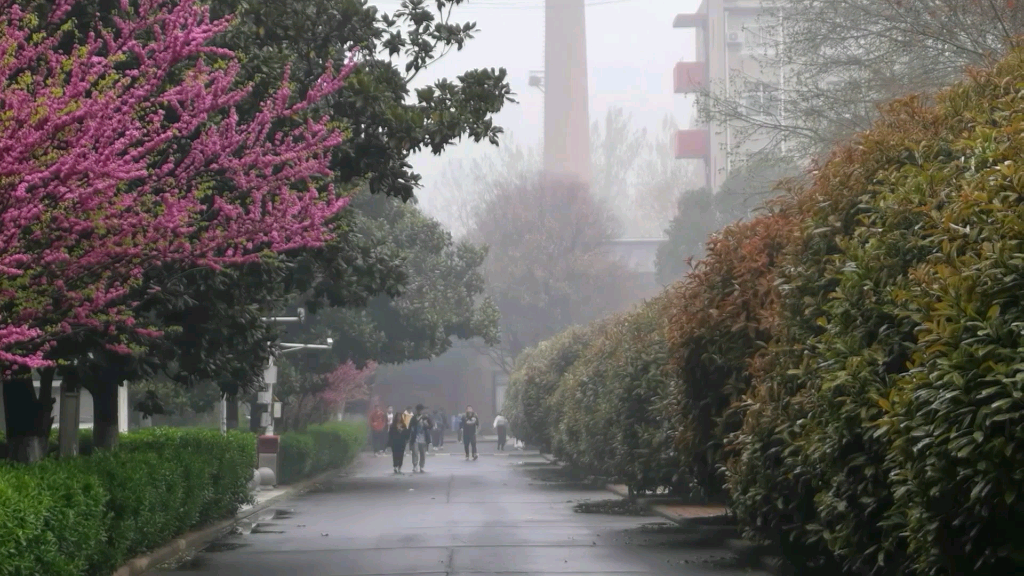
731 37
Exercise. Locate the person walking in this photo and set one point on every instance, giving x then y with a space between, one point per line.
398 437
378 429
457 426
407 416
420 428
470 424
391 418
501 426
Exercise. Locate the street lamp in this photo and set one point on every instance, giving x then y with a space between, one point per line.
536 79
266 396
270 378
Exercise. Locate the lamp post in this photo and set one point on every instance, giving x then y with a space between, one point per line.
270 378
266 395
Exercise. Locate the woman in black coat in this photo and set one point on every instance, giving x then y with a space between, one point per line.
398 438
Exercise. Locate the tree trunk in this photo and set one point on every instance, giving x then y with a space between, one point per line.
232 413
103 382
28 418
104 405
70 413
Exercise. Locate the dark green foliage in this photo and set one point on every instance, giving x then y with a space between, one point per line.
295 458
645 457
321 447
884 431
695 218
608 423
719 317
52 519
88 515
335 444
386 119
700 213
440 299
533 384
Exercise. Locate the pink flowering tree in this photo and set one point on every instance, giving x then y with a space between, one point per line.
347 383
123 153
310 397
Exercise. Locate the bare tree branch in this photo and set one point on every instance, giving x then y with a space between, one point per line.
840 59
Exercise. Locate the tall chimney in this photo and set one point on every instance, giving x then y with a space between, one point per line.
566 98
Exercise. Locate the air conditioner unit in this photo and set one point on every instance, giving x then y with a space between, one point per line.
735 38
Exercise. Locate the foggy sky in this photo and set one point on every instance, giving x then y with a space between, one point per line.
631 49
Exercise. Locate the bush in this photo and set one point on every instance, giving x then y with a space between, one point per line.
885 433
89 515
321 447
533 383
53 519
719 317
956 411
608 423
582 423
295 458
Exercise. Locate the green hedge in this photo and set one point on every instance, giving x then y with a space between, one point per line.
533 383
321 447
606 405
87 516
859 375
889 436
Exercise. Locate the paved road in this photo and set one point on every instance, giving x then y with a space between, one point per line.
497 515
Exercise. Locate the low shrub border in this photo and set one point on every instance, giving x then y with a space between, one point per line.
87 516
321 447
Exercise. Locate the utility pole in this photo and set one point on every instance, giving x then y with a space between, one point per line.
566 96
268 408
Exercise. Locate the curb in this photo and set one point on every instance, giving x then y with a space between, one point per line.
757 556
197 538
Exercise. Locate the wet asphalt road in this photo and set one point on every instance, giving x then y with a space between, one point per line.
508 515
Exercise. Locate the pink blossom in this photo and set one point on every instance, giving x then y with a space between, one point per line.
96 188
347 383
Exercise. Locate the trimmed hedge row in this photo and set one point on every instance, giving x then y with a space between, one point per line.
900 446
847 370
533 384
320 448
87 516
605 417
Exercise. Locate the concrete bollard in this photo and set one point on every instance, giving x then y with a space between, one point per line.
267 477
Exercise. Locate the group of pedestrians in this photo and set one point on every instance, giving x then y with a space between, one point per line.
412 429
417 431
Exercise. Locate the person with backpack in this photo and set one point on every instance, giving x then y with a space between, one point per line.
420 429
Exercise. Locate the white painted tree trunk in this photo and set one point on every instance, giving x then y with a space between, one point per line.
122 408
69 418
